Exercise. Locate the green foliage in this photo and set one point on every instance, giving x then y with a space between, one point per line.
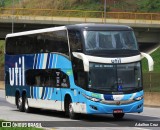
96 5
10 2
2 3
1 54
149 5
156 57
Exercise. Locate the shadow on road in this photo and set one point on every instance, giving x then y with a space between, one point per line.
94 118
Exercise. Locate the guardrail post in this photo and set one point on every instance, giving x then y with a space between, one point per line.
151 18
150 81
85 16
118 17
135 17
102 17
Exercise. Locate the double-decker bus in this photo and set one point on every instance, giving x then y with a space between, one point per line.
83 68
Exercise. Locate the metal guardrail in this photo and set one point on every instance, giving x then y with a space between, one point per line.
79 14
151 82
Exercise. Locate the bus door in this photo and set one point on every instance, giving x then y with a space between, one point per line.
57 94
82 84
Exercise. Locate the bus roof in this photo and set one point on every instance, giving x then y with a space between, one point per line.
99 27
36 31
89 26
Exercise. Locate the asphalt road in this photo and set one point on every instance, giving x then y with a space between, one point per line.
57 120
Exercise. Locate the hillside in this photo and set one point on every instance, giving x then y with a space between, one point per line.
96 5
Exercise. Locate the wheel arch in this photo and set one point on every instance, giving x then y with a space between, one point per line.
66 98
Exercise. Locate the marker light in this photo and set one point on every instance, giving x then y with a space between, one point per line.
138 98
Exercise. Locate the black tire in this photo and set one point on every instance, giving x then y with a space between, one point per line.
20 104
69 110
16 101
27 109
118 115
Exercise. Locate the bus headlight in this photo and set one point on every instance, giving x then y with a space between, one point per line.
138 98
92 98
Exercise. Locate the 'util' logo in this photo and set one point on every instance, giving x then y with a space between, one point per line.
16 74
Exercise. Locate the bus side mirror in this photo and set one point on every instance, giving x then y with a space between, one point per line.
83 58
150 60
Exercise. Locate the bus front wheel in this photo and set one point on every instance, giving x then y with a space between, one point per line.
118 115
69 109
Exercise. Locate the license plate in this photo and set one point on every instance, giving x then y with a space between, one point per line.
118 111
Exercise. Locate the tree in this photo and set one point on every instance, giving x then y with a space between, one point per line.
2 4
149 5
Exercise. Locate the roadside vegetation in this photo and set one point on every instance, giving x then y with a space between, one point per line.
1 54
151 79
95 5
156 57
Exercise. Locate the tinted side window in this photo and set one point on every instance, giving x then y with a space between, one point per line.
55 41
80 76
47 78
75 40
21 45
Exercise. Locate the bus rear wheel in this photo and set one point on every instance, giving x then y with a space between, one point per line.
118 115
20 104
26 106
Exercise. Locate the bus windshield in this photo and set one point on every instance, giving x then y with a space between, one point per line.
115 77
109 40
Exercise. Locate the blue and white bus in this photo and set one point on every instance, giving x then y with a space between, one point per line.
83 68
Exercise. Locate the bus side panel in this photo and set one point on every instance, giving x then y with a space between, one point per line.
41 97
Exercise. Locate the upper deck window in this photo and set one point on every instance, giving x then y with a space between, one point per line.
109 40
47 42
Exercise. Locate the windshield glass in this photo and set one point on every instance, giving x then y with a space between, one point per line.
109 40
115 77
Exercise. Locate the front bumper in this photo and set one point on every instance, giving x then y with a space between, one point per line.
100 108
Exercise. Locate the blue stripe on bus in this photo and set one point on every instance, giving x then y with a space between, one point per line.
46 92
34 92
35 61
37 92
51 60
49 94
38 58
47 64
43 92
37 66
40 62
